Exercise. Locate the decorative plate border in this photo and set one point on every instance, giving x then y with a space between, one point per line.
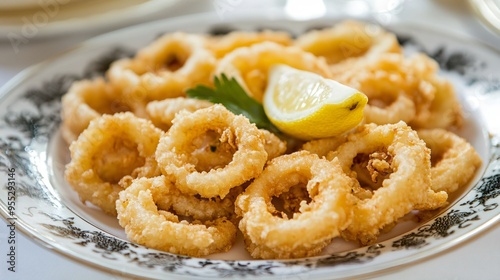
31 119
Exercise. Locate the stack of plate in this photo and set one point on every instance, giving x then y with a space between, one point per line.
489 12
26 19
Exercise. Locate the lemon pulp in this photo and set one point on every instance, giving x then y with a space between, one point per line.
306 105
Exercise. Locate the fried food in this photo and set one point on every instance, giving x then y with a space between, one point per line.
162 112
273 145
165 69
454 160
347 43
147 224
192 206
403 162
269 235
85 101
250 65
323 146
181 173
195 140
444 110
221 46
113 148
404 88
387 101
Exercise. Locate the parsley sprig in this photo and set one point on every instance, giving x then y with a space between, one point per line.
229 93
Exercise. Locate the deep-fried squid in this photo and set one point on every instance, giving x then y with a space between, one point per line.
148 225
402 161
195 140
85 101
162 112
444 110
250 65
113 148
193 206
348 43
269 235
454 160
273 145
404 88
387 100
323 146
221 46
164 69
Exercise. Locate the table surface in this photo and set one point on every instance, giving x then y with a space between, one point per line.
476 258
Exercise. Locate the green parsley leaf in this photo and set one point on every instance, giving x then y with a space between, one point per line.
230 94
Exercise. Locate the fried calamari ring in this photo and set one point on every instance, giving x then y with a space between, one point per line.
190 139
164 69
145 224
454 160
250 65
405 80
85 101
273 145
444 110
392 87
270 236
221 46
162 112
387 103
405 161
348 42
193 206
112 148
323 146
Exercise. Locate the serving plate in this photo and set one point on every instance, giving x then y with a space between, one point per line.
21 21
46 209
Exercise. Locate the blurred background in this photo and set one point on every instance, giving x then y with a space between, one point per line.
32 31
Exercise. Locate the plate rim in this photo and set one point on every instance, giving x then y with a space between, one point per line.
101 39
105 20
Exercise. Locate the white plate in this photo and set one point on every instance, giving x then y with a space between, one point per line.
47 210
24 4
37 19
489 12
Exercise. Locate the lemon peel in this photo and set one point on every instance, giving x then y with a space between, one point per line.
307 106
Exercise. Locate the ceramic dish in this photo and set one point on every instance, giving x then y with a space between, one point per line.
38 19
489 13
48 210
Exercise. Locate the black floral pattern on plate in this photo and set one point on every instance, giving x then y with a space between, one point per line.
34 126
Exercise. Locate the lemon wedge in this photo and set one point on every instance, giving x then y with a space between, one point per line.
307 106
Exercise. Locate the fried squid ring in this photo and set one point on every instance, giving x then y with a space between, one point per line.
273 145
444 111
162 112
164 69
221 46
323 146
189 140
404 160
347 43
250 65
85 101
113 148
148 225
387 103
419 96
454 160
193 206
270 236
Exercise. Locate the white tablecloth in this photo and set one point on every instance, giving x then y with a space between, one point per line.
477 258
